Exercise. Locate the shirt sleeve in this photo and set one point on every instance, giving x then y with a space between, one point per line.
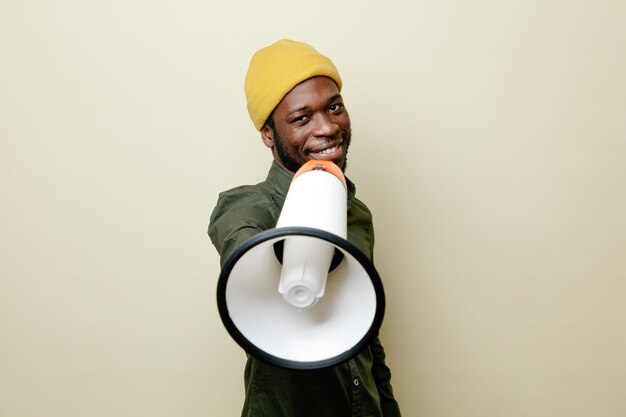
380 370
382 377
239 214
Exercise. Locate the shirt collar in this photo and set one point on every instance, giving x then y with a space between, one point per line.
279 180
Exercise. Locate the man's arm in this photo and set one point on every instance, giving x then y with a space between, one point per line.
380 370
239 214
382 376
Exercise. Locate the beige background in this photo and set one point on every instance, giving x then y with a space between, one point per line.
489 142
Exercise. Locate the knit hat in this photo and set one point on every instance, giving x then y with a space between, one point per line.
276 69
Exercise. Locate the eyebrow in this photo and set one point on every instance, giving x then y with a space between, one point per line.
303 108
298 110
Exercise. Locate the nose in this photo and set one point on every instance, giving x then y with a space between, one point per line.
326 126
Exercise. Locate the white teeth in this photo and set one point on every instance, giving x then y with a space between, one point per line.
329 150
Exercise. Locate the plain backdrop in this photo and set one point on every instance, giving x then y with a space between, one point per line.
489 141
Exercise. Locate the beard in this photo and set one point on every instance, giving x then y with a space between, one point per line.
293 165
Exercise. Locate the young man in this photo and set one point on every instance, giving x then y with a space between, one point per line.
294 100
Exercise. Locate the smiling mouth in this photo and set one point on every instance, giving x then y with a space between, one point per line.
328 150
332 153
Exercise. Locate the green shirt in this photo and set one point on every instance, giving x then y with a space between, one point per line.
359 387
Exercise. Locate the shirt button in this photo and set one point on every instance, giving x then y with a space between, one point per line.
356 382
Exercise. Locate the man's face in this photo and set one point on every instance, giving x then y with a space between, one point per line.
310 122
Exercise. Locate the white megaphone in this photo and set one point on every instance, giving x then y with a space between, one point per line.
301 296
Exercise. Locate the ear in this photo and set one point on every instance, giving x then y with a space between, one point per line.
267 136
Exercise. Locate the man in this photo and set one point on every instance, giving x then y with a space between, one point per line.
294 100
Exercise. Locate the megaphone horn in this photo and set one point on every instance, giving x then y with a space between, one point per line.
301 296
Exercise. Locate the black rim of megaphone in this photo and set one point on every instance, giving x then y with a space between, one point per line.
283 232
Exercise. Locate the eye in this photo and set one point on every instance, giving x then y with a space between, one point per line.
335 107
300 119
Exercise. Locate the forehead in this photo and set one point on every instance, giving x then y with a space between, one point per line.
311 93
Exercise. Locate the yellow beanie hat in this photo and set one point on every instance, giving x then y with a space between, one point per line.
276 69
